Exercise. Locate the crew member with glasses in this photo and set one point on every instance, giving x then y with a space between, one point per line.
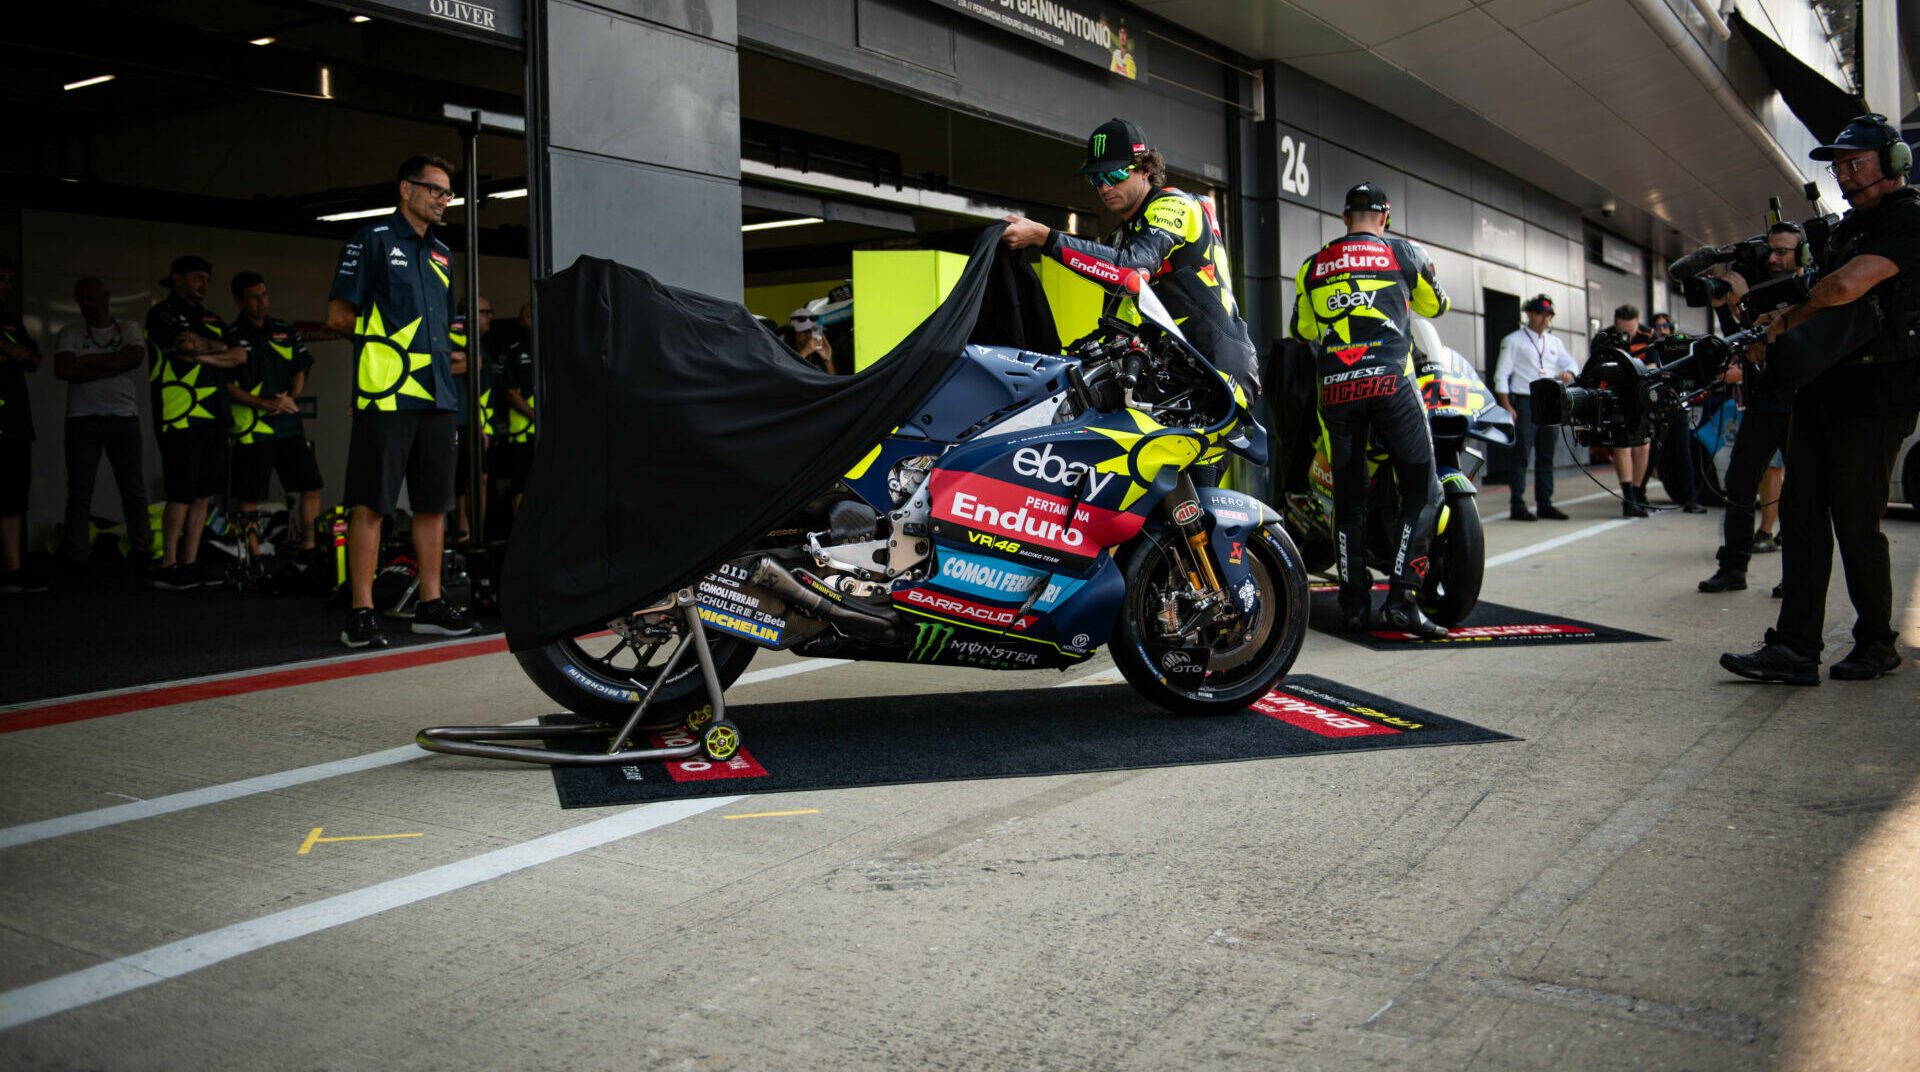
1166 232
393 295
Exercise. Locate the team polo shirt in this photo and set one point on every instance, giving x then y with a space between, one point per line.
275 355
458 332
400 285
186 394
515 371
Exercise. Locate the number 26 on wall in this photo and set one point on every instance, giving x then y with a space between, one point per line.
1293 166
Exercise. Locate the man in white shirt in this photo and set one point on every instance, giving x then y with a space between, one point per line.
100 359
1528 354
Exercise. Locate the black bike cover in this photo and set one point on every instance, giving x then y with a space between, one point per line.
675 430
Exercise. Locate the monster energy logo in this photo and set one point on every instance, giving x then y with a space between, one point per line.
929 641
1099 144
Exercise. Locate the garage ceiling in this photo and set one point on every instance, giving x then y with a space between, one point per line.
1580 97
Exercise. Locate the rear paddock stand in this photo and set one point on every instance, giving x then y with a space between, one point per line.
715 737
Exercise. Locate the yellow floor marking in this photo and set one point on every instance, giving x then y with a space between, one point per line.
314 838
774 814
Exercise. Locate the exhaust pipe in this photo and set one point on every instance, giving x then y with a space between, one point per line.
865 623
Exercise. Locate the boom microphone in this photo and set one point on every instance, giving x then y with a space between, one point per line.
1696 262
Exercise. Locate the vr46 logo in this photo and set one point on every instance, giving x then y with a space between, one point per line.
990 540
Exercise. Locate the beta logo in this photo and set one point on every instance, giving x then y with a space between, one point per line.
1050 467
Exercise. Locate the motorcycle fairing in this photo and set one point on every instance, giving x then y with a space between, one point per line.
1077 618
984 386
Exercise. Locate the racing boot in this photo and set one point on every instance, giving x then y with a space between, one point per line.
1356 611
1401 613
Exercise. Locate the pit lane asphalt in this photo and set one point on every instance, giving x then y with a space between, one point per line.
1673 869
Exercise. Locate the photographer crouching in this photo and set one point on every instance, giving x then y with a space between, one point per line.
1852 350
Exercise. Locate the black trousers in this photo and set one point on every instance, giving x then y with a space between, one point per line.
1398 420
1674 448
1760 436
1541 438
1836 492
119 439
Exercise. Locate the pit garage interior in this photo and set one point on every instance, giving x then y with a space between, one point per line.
223 864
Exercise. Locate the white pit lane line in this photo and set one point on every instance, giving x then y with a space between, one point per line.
27 833
63 993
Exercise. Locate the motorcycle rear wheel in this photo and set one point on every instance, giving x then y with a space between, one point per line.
1456 564
1238 673
602 678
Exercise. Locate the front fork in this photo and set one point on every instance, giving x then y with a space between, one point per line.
1211 602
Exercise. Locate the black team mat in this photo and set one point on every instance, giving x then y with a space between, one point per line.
834 744
1490 625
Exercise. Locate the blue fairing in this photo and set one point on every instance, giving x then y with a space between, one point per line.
986 385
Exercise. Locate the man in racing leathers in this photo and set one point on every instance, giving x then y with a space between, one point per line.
1353 300
1169 234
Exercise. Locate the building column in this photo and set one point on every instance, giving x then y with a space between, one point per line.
634 138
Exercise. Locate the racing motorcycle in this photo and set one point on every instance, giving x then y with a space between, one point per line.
1459 408
1033 509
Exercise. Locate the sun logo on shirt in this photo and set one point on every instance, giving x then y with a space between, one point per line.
388 369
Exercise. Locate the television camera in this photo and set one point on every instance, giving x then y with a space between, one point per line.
1617 398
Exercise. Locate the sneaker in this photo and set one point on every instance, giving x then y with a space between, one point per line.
1776 663
363 629
1550 512
1725 580
1864 663
1406 618
1693 508
1764 544
17 581
175 578
1519 512
440 616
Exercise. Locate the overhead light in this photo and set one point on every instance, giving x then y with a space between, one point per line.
360 18
261 41
508 195
1073 222
85 82
326 83
801 222
363 214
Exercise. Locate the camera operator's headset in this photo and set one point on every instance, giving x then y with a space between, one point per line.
1802 253
1896 156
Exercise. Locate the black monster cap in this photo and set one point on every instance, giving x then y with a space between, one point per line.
1113 146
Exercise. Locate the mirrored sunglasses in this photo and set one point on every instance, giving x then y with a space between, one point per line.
1100 180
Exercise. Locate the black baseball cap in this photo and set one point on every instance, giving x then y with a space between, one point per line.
186 262
1367 197
1869 133
1539 303
1112 146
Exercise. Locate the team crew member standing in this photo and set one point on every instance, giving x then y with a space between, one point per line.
1165 232
189 360
267 434
1528 354
393 294
100 358
462 473
1849 419
514 409
1354 297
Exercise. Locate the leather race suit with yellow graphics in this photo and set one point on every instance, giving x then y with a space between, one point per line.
1354 296
1175 239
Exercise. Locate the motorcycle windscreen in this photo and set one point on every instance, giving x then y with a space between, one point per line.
675 430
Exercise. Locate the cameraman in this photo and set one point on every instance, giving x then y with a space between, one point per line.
1629 463
1850 415
1763 424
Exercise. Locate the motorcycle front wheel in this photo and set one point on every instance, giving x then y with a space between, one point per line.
603 676
1238 671
1456 564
